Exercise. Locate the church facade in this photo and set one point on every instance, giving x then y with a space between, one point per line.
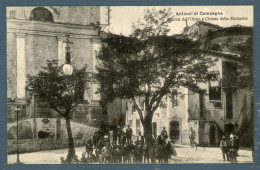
38 34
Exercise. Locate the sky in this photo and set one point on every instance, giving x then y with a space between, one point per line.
122 17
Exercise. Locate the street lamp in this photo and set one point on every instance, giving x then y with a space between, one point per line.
17 109
67 67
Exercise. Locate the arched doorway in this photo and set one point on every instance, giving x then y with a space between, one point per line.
41 14
212 136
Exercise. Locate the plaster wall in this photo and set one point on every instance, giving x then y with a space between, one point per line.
82 15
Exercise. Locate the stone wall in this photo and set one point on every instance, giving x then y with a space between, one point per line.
38 50
31 132
34 145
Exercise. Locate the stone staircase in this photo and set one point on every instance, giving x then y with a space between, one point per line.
220 122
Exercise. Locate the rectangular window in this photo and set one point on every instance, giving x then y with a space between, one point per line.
229 70
214 87
229 106
215 93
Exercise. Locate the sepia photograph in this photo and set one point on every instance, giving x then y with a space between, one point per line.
130 84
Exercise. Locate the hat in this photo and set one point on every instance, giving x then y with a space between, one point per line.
223 137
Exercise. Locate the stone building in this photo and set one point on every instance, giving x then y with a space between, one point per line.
225 109
116 112
38 34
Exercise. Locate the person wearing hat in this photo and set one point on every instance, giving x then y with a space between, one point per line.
95 139
224 147
164 134
234 147
129 133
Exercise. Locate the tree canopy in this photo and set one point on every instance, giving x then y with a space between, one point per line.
58 91
150 64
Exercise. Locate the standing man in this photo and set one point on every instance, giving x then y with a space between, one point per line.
164 134
120 134
233 148
95 139
141 139
192 136
129 133
115 134
224 148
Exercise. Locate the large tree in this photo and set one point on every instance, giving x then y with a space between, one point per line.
60 92
149 65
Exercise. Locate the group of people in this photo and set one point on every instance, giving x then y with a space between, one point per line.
124 150
229 147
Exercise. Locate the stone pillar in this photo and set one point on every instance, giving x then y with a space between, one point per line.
21 67
61 51
96 46
95 50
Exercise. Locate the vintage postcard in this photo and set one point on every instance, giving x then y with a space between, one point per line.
130 84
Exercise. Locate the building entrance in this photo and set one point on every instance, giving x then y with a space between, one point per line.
212 132
174 130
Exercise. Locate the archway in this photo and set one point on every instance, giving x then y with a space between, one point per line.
41 14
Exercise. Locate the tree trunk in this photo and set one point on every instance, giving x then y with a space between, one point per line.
71 152
147 124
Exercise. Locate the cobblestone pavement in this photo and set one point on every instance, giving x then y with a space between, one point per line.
185 154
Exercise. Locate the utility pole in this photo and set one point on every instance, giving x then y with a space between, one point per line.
17 109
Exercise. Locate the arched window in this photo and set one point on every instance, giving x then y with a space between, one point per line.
41 14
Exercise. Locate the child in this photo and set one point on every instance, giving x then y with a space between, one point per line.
83 158
62 161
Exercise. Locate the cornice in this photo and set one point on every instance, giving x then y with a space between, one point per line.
51 29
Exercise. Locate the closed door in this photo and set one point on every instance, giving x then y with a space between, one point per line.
174 130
